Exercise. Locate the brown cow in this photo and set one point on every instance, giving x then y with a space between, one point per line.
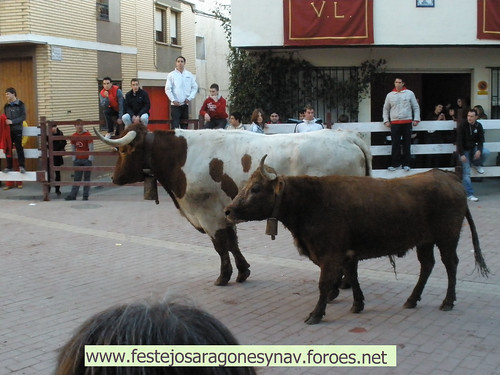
203 170
338 220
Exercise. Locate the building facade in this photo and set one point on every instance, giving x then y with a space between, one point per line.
432 44
56 53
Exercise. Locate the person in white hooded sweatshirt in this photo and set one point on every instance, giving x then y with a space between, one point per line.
401 112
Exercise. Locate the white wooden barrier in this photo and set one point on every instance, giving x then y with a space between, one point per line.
29 153
416 149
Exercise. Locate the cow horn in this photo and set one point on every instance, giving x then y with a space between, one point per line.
125 140
264 172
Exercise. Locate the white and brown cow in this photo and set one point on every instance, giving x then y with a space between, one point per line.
338 220
203 171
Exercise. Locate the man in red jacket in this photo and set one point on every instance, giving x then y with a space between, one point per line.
214 109
111 99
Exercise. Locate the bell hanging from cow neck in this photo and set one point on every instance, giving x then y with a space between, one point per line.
151 189
272 227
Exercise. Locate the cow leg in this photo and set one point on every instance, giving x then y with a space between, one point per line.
450 260
225 240
425 255
241 263
334 291
327 278
351 274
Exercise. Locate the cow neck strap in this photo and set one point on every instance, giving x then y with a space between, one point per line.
150 136
277 197
272 222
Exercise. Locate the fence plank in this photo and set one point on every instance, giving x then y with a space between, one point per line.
18 176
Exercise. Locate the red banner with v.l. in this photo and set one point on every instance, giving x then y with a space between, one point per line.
488 19
328 22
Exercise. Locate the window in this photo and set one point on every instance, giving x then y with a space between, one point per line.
160 25
174 27
200 48
495 93
102 10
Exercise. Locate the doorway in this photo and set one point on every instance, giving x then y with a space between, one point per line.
429 88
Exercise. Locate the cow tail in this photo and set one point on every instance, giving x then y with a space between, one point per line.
366 151
480 263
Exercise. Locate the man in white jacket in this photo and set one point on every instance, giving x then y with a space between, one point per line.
401 112
181 88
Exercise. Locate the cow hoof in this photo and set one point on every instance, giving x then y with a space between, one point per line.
357 308
243 275
221 281
446 307
311 319
410 305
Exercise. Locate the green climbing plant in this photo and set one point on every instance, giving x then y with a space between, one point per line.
273 81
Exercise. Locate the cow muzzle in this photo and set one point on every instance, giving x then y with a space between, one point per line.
229 212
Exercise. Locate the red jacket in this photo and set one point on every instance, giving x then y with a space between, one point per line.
113 97
215 109
5 140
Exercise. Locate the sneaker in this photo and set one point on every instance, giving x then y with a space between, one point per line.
392 169
19 186
7 170
479 169
472 198
22 170
406 168
108 135
70 198
7 187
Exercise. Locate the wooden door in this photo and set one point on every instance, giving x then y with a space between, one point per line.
160 107
18 73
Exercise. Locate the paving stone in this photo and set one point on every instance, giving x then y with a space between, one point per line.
62 262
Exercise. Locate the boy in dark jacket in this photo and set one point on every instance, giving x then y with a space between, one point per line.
137 105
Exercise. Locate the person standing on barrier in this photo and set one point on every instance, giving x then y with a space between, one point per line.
15 111
401 111
471 150
81 147
181 88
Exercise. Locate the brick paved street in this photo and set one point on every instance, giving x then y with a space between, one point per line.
63 261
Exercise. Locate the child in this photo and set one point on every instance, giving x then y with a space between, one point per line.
235 122
81 159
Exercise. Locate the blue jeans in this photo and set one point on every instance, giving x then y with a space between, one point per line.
469 154
78 177
127 120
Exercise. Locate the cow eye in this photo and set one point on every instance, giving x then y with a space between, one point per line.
255 189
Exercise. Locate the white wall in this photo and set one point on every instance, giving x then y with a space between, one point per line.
214 68
259 23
